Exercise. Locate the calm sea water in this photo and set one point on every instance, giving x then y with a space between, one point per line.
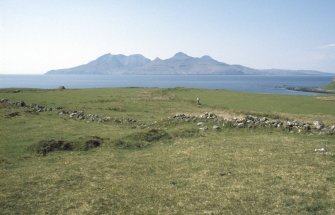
257 84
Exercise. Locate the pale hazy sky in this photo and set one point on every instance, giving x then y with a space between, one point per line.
40 35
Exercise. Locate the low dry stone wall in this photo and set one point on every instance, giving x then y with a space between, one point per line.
251 121
73 114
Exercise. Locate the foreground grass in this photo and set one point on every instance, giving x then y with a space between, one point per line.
231 171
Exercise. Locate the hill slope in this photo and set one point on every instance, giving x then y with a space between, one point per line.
330 86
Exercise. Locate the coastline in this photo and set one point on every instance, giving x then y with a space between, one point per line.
311 90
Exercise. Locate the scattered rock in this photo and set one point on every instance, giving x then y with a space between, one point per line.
216 127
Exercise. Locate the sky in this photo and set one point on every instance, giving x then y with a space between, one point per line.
37 35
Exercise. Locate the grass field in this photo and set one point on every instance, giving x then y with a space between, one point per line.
179 169
330 86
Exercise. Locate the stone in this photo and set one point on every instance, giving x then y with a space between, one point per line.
107 118
320 150
21 104
288 124
208 115
216 127
307 127
318 125
240 125
263 119
73 114
181 116
200 124
252 118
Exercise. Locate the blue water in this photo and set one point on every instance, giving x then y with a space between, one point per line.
257 84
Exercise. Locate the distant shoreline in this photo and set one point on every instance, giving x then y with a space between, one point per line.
243 83
311 90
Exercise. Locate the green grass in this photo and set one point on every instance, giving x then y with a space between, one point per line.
330 86
179 169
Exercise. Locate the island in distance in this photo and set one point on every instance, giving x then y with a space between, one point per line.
179 64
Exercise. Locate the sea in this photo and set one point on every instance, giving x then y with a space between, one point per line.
243 83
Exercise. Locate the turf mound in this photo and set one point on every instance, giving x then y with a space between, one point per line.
46 146
143 139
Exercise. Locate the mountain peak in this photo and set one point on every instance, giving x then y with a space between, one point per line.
181 55
157 59
180 63
206 57
105 56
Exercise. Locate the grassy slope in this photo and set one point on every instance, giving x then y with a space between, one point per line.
232 171
330 86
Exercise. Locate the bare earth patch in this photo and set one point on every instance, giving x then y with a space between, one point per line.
326 98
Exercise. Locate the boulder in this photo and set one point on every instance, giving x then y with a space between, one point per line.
318 125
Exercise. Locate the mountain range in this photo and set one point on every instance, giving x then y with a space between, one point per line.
179 64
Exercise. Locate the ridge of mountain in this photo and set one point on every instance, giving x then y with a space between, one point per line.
179 64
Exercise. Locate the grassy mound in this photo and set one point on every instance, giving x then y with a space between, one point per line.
45 147
330 86
142 139
92 143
